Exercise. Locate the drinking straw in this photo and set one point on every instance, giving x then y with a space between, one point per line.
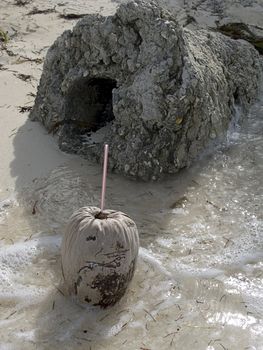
104 176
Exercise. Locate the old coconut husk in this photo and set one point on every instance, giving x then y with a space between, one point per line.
99 253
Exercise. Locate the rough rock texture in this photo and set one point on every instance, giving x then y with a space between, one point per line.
99 254
156 92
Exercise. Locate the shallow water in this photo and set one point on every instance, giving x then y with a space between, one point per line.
199 279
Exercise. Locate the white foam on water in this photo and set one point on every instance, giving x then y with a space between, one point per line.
151 259
21 271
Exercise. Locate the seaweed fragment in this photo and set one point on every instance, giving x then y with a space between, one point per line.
34 208
24 109
3 36
37 11
22 59
22 2
24 77
2 67
71 16
148 313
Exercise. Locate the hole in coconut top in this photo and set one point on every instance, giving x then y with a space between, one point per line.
89 104
101 216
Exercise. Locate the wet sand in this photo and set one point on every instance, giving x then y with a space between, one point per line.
199 282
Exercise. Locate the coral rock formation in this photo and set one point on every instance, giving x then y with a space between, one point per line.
156 92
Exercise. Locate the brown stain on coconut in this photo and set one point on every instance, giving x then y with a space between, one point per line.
112 287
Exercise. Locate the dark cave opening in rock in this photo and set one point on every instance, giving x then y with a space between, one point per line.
89 104
88 108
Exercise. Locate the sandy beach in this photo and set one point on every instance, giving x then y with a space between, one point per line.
198 284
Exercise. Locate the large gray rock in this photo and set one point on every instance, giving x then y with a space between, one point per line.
156 92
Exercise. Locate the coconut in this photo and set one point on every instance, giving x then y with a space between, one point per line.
99 253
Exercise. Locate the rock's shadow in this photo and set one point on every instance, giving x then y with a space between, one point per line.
36 154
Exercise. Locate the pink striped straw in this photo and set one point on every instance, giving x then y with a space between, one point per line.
104 177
